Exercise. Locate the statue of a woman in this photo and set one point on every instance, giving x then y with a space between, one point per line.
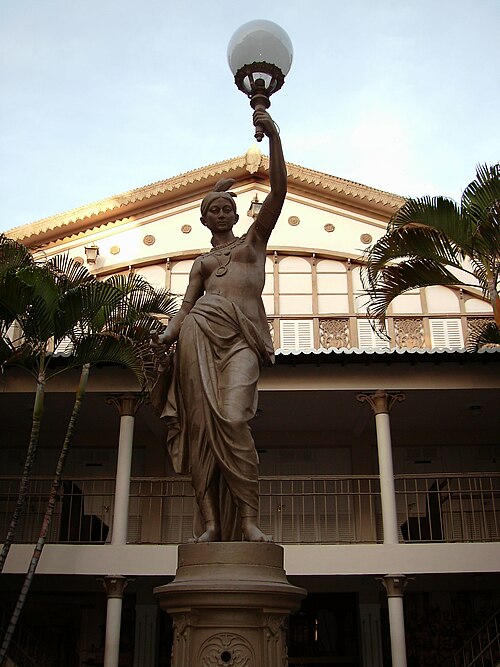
222 342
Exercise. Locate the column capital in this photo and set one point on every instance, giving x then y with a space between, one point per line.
395 584
115 584
126 404
381 401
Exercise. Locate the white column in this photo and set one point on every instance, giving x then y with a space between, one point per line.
395 585
114 585
127 406
381 403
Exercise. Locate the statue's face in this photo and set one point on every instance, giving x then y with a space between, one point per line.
221 216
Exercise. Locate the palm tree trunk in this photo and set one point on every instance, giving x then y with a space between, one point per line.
28 463
495 301
49 511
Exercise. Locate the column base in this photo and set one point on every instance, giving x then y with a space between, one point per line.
230 602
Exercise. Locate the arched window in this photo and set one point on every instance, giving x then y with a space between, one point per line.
155 275
295 286
331 277
179 278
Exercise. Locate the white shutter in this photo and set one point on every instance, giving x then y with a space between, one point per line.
296 334
446 333
65 347
367 337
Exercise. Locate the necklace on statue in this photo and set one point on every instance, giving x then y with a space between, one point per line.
222 254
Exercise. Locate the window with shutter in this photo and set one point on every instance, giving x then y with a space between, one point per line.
296 334
446 333
367 337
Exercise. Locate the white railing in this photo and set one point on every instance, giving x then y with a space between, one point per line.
293 509
449 508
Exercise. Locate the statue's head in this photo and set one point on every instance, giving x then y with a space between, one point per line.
220 191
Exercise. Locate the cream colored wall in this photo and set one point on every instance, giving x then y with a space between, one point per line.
170 240
153 244
310 559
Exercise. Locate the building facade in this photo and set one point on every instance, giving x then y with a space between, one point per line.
378 455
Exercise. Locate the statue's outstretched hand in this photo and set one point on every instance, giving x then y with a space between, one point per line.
263 120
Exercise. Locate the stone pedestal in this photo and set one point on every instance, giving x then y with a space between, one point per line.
230 602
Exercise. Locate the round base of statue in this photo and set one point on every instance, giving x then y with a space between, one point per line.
230 603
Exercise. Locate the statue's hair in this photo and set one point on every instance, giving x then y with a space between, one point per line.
220 190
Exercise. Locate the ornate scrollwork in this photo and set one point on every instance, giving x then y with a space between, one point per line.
409 332
270 324
334 333
274 625
476 324
226 650
181 627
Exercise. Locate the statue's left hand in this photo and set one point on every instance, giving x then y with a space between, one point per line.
159 348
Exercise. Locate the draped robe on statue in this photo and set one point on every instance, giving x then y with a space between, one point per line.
211 397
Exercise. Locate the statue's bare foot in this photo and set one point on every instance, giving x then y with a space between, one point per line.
252 533
211 534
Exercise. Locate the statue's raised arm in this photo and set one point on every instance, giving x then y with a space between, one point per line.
261 229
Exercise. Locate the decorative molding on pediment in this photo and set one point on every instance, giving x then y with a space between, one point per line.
340 186
118 205
193 185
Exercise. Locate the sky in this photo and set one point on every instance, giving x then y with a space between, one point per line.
101 96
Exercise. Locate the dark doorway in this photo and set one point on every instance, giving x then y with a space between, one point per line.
325 631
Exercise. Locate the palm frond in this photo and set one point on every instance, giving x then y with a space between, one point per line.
483 192
87 305
15 297
439 213
139 330
139 299
411 242
39 318
481 203
7 350
102 348
394 280
481 275
69 273
13 255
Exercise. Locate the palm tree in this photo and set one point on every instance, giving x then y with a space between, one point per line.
438 242
115 332
48 303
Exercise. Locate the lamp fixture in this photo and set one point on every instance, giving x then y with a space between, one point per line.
255 207
260 55
91 253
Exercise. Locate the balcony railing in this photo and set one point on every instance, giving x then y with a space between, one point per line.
293 509
449 508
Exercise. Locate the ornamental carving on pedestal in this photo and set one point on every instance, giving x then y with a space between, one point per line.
409 332
334 333
275 634
181 627
226 650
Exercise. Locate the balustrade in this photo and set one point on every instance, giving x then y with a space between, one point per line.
294 509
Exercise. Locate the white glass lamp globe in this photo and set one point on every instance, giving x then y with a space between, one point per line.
260 50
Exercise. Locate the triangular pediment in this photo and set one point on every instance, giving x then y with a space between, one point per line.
247 170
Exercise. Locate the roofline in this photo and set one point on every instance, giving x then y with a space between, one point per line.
194 184
385 355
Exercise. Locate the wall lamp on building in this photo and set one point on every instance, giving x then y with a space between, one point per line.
260 55
255 207
91 253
